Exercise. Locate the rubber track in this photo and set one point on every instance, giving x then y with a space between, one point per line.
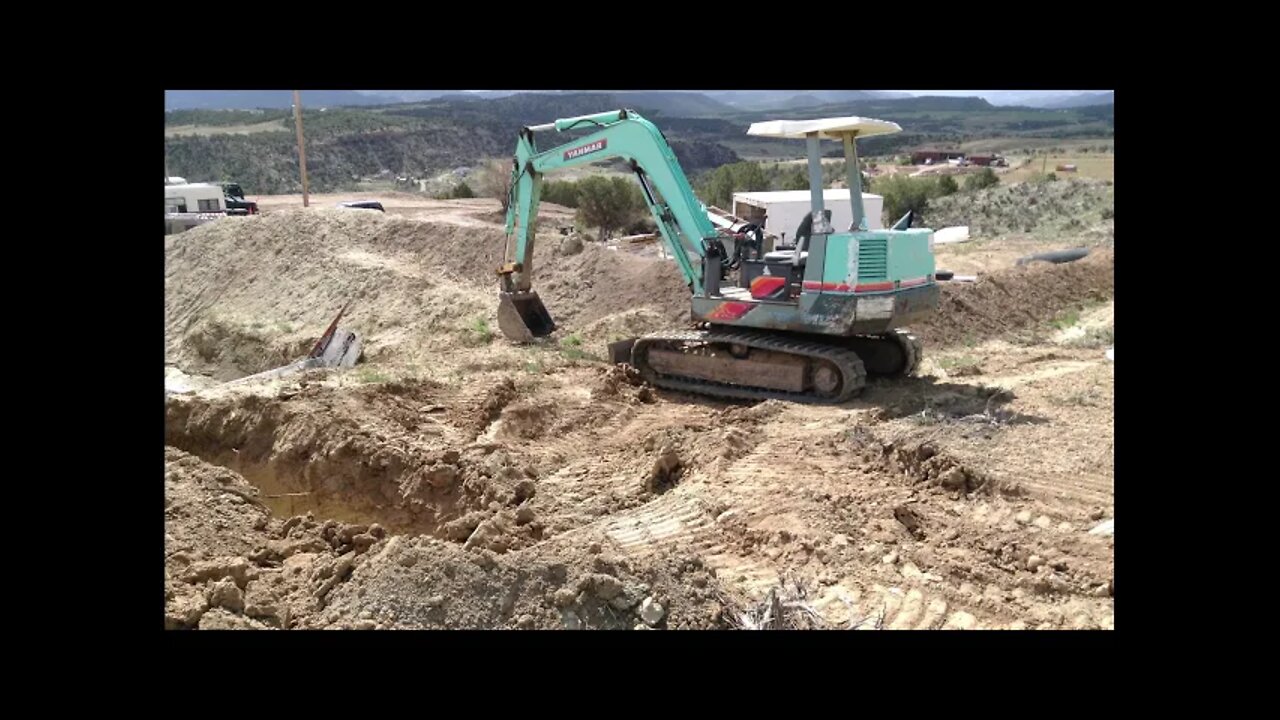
847 361
911 347
907 343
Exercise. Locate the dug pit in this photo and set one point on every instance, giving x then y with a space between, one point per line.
309 455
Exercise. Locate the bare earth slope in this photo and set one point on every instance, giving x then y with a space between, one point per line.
455 481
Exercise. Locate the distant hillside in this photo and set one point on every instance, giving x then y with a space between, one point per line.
680 104
416 140
1085 100
425 138
768 99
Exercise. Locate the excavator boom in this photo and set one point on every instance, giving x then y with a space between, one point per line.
682 222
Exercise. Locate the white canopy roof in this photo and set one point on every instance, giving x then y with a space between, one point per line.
825 127
793 196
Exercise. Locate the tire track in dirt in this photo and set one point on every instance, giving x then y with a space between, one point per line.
1084 488
894 608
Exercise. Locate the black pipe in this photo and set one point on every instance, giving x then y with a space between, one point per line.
1057 256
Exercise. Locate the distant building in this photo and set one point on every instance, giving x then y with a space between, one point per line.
921 157
986 160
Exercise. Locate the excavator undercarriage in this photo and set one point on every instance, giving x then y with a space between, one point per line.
753 365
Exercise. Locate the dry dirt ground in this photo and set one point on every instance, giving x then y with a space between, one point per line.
453 480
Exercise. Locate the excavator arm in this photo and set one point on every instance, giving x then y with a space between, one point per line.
682 221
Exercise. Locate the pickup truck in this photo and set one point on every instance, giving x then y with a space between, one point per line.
236 204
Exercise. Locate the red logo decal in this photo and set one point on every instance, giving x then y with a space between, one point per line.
764 286
730 311
596 146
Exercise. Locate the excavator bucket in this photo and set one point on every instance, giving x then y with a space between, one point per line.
522 316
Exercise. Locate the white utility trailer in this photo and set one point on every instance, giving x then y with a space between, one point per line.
189 204
781 212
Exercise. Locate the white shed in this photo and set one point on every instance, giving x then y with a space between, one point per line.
781 212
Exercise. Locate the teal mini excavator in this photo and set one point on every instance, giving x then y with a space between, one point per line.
804 322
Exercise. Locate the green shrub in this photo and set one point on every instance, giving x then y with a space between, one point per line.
718 187
608 203
560 192
796 180
981 179
903 194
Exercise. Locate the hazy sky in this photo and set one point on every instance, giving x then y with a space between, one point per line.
971 93
996 94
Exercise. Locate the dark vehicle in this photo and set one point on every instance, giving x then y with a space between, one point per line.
236 204
363 205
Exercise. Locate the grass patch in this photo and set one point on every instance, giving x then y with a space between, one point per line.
1100 166
1071 316
479 332
1095 337
571 349
370 375
1066 319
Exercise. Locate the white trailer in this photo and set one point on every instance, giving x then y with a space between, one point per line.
194 198
781 212
189 204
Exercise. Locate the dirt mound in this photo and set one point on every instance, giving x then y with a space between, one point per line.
599 282
247 294
1017 298
254 290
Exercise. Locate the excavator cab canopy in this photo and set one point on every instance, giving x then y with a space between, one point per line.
827 128
845 129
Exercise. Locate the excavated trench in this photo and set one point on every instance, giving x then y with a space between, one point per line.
315 456
290 491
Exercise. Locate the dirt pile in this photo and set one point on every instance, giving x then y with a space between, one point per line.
248 294
1017 298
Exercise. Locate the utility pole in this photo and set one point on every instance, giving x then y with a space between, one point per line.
302 148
